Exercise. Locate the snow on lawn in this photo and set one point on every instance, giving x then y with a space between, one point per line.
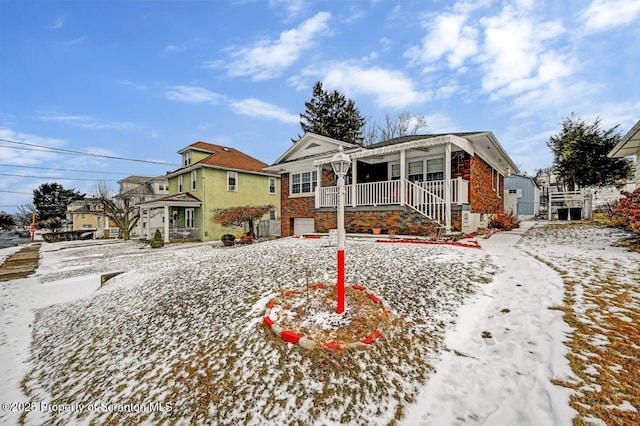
182 328
602 305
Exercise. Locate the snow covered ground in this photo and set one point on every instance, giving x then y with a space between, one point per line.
178 337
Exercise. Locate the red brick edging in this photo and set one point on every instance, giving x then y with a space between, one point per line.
291 336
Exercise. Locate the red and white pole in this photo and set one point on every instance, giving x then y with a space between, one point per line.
341 244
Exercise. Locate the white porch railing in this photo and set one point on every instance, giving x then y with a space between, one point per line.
177 233
389 193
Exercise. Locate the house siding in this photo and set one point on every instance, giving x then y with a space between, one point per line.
301 207
482 195
211 189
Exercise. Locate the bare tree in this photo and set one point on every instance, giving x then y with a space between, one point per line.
401 124
120 208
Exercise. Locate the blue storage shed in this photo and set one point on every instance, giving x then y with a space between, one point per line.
521 196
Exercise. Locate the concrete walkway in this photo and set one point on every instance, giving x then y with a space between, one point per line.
21 264
504 349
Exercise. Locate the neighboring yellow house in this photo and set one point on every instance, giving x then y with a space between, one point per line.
87 214
213 177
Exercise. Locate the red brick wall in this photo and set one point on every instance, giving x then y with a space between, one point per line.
482 197
292 207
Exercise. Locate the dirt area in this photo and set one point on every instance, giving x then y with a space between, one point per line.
20 264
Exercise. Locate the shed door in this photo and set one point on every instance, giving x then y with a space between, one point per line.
303 225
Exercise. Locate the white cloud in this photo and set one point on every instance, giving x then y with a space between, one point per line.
268 58
293 7
86 122
388 87
606 14
193 94
181 47
447 36
57 24
132 84
257 108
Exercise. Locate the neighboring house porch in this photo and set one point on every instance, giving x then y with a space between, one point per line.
181 225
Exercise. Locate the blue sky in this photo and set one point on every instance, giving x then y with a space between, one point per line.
143 79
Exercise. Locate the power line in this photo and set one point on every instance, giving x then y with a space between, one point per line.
55 178
62 170
72 152
15 192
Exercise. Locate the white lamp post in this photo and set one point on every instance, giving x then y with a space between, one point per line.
340 164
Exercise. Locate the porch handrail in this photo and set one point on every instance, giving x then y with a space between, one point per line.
388 193
425 202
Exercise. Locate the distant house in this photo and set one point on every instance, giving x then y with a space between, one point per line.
86 214
407 185
140 190
630 146
212 177
521 196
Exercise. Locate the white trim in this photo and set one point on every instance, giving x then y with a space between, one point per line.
311 182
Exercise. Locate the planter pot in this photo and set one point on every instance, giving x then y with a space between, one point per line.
376 231
563 214
575 213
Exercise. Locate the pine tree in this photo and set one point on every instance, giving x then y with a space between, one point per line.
51 200
580 154
331 114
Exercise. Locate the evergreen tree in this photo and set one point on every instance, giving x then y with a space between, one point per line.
331 114
580 154
51 199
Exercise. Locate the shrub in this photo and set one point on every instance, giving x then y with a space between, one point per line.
228 239
157 241
503 222
627 212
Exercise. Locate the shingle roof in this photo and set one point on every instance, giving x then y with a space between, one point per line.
228 158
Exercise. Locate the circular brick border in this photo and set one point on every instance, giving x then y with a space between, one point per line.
291 336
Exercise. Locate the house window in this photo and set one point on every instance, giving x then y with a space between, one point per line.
435 169
186 158
272 185
304 183
273 214
395 171
232 181
498 184
493 179
194 179
416 169
189 218
180 183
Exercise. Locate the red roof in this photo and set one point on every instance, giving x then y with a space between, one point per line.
228 158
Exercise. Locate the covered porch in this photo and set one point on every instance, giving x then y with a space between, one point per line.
417 174
178 213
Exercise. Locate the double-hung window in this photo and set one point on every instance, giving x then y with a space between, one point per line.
194 180
186 158
180 184
232 181
395 171
416 171
435 169
304 183
272 185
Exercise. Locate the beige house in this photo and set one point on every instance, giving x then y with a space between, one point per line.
87 214
630 146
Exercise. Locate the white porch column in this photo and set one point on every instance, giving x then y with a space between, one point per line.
403 176
148 224
354 180
166 224
318 186
447 186
141 221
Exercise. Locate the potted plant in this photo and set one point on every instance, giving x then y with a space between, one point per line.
228 239
376 230
157 240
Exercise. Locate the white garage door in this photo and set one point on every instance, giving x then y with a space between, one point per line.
303 225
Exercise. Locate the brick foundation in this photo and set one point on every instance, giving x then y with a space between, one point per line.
399 220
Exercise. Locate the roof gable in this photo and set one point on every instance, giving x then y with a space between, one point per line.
226 158
630 143
311 145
